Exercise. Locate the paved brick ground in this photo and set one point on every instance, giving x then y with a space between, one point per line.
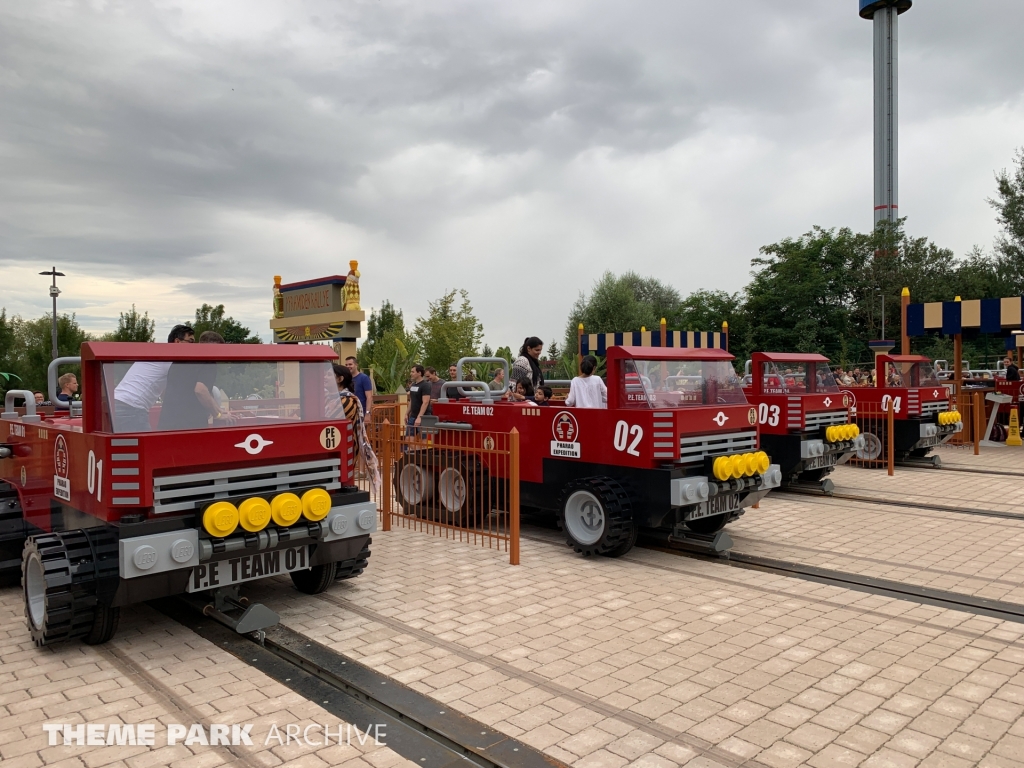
654 660
154 671
1005 459
975 555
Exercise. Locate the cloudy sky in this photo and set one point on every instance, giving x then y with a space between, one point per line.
171 153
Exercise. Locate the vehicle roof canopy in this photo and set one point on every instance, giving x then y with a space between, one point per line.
668 353
138 351
788 357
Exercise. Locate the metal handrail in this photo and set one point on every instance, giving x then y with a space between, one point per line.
10 414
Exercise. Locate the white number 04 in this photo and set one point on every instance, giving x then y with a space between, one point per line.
622 435
94 481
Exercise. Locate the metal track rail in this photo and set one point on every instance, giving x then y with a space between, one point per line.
938 598
417 727
906 504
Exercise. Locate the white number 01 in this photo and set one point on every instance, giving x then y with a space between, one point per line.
94 479
622 434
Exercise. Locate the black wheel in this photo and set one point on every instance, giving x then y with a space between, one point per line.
597 516
349 569
104 625
314 580
415 482
712 524
627 545
61 576
461 491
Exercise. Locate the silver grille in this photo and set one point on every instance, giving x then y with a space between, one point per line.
825 419
692 450
173 493
933 407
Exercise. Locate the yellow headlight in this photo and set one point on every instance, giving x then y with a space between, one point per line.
956 417
855 430
721 468
254 514
830 434
737 466
220 519
763 462
849 432
285 509
316 503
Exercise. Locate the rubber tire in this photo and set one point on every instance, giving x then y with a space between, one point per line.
349 569
708 525
313 581
627 545
104 625
474 480
69 563
428 502
619 528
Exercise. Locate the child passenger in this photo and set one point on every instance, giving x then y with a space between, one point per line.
587 390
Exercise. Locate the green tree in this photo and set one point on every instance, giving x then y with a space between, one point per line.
1009 205
9 362
35 348
803 294
133 327
625 303
448 332
210 318
387 320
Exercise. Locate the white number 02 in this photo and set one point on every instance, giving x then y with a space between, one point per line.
622 434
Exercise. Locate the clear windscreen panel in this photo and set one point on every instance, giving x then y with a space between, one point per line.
160 396
797 378
917 374
676 383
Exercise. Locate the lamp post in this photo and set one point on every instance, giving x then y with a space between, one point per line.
54 293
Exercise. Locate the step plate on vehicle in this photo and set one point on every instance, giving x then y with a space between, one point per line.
716 505
235 570
820 462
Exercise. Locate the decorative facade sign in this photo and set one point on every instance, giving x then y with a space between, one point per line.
324 309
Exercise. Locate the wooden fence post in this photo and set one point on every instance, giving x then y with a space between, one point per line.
513 493
385 474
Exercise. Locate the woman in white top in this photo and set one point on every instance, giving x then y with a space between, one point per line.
587 390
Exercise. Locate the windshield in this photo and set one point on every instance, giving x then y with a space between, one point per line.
796 378
920 374
674 383
164 396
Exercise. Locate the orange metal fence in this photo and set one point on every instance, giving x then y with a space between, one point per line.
971 406
456 484
876 425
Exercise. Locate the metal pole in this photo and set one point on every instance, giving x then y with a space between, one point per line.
513 492
883 314
54 293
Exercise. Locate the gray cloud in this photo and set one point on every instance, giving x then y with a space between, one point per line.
206 147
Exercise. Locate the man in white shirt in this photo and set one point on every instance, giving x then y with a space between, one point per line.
587 390
142 386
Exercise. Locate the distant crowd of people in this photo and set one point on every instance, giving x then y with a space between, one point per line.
526 386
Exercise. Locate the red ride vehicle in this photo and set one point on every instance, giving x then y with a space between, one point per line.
922 414
675 449
103 507
803 417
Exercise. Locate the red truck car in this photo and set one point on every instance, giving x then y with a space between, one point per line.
922 415
125 499
675 450
803 417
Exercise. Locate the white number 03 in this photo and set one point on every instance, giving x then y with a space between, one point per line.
622 434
